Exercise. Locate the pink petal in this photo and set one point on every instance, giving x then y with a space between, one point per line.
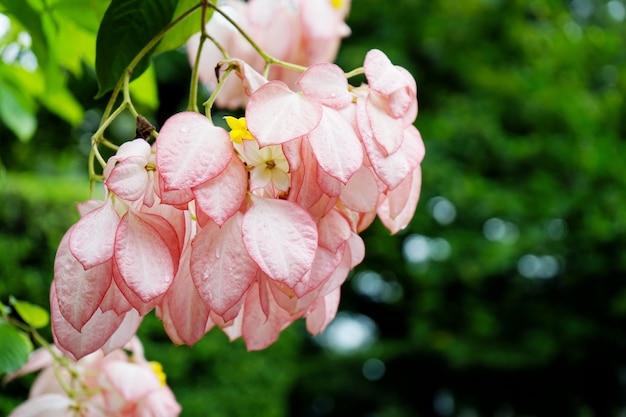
393 168
339 274
133 299
258 330
45 405
264 292
291 150
87 206
136 147
144 254
221 269
382 76
357 250
328 183
131 380
411 113
275 114
160 403
324 265
323 312
92 239
333 230
177 219
175 198
185 308
191 150
275 295
79 291
281 237
115 300
305 190
361 192
93 335
129 178
232 328
124 333
222 196
396 215
327 84
386 130
336 145
229 316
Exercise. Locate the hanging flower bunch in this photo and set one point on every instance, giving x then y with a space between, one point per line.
254 226
121 384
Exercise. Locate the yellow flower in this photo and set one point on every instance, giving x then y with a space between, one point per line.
239 131
157 368
336 3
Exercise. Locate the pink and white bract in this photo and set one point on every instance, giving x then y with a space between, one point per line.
120 384
247 234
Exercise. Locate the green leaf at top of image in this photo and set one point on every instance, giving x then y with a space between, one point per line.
14 349
32 314
126 28
190 25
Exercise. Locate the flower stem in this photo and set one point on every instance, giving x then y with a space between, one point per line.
209 103
355 72
193 87
266 57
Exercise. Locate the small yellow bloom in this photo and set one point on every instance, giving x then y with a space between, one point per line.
157 368
336 3
239 130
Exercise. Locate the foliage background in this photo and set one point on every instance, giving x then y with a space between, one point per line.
504 297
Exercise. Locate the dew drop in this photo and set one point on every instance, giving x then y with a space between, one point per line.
167 278
184 129
217 255
333 95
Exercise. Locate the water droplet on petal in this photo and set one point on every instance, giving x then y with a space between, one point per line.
184 129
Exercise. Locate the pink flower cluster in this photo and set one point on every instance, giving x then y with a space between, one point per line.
116 385
246 230
302 32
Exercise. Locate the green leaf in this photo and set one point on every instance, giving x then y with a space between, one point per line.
14 349
183 30
58 98
32 314
86 13
126 28
17 111
145 90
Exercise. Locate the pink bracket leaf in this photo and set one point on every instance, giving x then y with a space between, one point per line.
275 114
191 150
281 237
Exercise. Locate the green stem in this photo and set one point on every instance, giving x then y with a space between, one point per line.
209 103
193 87
355 72
127 99
217 45
267 57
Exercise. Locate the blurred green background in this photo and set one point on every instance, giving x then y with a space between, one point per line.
506 296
